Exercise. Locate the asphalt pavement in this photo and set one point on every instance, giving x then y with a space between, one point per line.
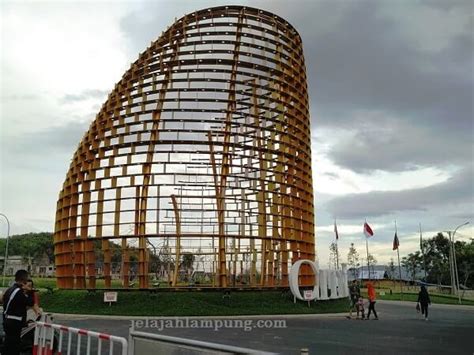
399 330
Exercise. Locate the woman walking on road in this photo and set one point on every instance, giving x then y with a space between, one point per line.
371 294
424 301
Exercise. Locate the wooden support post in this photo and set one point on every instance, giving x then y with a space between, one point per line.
178 240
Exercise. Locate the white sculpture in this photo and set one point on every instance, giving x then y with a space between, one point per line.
334 280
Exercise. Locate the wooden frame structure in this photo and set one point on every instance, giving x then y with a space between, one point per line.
203 147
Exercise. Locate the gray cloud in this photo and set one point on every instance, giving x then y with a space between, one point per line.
463 216
51 147
386 144
367 66
28 97
85 95
457 190
449 5
145 25
332 175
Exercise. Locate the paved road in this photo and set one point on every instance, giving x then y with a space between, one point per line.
399 330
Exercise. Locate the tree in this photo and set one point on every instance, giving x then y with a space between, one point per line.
391 267
333 255
465 262
371 261
154 265
187 263
31 246
201 259
353 259
437 259
412 263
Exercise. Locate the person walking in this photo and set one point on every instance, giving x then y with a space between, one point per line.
424 301
15 302
354 294
371 294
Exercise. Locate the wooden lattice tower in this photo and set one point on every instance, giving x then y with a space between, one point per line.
203 148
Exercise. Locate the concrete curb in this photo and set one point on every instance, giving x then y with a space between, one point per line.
434 305
69 316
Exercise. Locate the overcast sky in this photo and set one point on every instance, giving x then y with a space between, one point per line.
391 97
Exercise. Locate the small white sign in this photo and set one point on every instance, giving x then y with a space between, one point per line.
382 293
308 295
110 297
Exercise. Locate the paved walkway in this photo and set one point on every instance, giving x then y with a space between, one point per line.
400 330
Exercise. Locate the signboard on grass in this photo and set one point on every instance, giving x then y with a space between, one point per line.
110 297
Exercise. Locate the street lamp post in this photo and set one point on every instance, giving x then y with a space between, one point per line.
451 263
455 266
6 249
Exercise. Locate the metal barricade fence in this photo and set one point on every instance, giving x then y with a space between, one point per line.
142 343
44 340
49 339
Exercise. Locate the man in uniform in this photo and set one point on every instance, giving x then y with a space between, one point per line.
15 302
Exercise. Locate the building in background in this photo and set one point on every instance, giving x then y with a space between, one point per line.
40 267
383 272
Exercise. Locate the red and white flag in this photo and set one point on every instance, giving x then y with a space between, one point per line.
335 230
368 231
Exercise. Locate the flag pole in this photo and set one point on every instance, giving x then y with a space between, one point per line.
367 247
423 253
399 267
400 272
337 247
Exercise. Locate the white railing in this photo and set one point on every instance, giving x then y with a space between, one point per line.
49 339
142 343
45 333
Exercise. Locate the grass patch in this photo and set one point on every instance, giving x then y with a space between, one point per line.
39 282
143 303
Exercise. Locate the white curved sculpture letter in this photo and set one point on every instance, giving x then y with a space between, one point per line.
332 284
294 272
334 280
323 284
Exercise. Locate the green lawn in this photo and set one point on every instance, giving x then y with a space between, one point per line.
39 282
43 283
211 303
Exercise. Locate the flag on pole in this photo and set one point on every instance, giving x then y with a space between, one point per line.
368 231
396 243
335 230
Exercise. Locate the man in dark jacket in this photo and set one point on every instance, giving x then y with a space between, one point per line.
15 302
424 301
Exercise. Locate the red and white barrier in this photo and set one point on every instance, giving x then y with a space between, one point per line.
44 340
